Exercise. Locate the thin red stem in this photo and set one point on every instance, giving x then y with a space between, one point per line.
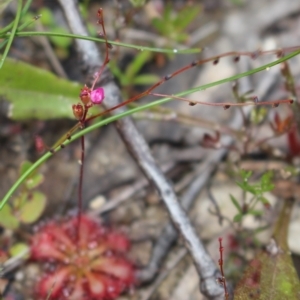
227 105
214 59
83 121
222 280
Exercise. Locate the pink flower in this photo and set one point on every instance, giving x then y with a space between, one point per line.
97 95
90 267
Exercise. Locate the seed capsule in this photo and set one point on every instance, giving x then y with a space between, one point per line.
78 111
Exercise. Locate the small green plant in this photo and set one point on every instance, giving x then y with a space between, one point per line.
271 274
256 190
138 3
28 205
172 25
130 76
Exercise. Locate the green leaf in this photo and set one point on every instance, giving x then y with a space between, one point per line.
145 79
62 42
158 24
238 218
117 72
7 219
33 93
47 18
247 188
181 37
33 208
137 3
25 166
272 275
266 182
186 16
139 61
236 203
34 181
264 201
168 13
164 25
254 212
258 114
245 174
19 249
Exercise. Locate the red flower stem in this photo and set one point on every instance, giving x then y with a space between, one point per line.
107 46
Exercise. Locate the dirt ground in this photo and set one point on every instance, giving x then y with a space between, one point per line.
114 187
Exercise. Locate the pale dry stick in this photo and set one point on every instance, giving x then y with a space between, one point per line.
49 52
138 186
196 37
146 295
126 193
217 211
205 171
164 114
13 262
139 149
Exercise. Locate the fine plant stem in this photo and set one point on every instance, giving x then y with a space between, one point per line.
26 7
9 26
13 32
29 22
99 40
114 118
81 174
221 264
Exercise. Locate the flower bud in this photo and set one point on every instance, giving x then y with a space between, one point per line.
85 95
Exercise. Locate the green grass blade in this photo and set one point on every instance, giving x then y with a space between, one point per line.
13 32
69 35
10 25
